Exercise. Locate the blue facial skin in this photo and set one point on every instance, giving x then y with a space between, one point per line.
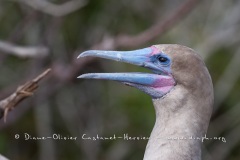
163 62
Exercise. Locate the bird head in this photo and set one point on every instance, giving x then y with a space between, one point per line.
170 64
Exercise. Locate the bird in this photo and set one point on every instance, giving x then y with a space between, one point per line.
182 94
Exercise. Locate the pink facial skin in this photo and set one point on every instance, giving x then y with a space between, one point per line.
154 50
164 83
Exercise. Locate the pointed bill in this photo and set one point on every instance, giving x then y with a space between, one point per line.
139 57
152 84
153 80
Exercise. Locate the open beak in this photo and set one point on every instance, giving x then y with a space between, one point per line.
141 57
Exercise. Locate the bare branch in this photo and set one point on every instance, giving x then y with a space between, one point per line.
227 80
221 150
54 9
2 157
23 52
218 39
159 28
22 92
127 41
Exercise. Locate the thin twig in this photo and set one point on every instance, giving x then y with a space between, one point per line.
23 52
54 9
21 93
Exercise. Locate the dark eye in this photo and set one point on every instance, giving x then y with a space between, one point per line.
162 59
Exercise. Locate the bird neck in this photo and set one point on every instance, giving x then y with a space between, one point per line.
180 121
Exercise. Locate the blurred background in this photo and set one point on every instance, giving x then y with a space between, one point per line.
40 34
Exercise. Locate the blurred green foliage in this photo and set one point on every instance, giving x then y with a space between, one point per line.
76 107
